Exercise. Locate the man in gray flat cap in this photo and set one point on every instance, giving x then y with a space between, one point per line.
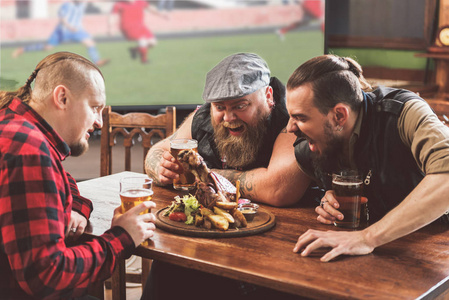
241 135
240 132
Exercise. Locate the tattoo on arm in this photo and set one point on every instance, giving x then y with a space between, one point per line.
154 158
247 185
152 163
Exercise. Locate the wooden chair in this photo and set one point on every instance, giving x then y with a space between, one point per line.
148 129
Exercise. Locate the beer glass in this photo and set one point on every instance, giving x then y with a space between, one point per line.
348 188
186 179
135 190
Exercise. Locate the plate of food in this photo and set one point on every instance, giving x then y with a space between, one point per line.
214 210
223 220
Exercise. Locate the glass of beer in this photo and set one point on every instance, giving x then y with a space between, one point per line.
348 188
186 179
135 190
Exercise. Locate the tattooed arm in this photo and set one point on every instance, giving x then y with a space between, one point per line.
159 163
282 183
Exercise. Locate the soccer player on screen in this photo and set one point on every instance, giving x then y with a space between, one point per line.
132 25
69 29
311 10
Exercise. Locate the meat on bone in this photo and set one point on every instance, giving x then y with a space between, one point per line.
211 187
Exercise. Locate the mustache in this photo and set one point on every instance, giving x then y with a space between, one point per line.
232 125
239 151
301 134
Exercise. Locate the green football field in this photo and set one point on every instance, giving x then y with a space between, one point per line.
177 68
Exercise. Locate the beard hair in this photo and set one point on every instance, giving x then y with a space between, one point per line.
326 162
78 148
240 151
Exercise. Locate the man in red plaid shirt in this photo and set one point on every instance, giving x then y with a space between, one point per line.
40 206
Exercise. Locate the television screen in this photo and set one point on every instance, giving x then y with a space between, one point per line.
190 38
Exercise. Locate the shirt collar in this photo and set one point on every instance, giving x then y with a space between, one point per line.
358 124
356 134
55 140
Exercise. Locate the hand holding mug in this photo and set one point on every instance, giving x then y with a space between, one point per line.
136 193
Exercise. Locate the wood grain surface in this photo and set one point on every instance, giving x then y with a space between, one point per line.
415 266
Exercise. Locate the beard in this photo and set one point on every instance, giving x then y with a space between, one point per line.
78 149
240 151
327 162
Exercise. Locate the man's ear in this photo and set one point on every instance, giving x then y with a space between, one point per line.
341 113
60 96
269 95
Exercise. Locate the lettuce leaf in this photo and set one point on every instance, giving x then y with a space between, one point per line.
191 205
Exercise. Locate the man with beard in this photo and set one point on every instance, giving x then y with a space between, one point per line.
390 136
41 211
240 133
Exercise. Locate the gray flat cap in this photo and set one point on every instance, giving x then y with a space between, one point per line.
236 76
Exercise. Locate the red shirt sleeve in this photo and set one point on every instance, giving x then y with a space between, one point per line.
36 200
80 204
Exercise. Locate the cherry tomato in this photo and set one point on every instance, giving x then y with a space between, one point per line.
177 216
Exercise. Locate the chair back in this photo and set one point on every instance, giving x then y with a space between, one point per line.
150 128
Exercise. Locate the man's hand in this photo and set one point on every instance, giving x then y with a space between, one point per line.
77 225
139 226
328 211
341 242
168 169
160 165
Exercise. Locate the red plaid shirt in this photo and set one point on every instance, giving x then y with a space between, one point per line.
35 205
80 204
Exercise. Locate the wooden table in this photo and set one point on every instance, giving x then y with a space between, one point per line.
415 266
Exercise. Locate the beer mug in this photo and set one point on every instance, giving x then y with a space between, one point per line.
186 179
135 190
348 188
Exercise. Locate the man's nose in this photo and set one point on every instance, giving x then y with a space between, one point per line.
98 122
291 126
229 116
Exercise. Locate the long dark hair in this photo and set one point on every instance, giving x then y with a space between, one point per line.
333 80
59 67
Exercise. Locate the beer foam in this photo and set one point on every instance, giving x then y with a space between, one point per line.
136 193
184 145
345 183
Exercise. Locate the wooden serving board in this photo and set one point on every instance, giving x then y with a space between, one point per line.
263 221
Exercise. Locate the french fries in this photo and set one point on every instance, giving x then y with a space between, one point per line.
218 222
240 220
220 217
206 211
226 205
224 213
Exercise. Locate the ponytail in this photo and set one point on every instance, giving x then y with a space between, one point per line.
23 93
356 69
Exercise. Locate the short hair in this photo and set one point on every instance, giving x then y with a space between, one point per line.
57 68
333 80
